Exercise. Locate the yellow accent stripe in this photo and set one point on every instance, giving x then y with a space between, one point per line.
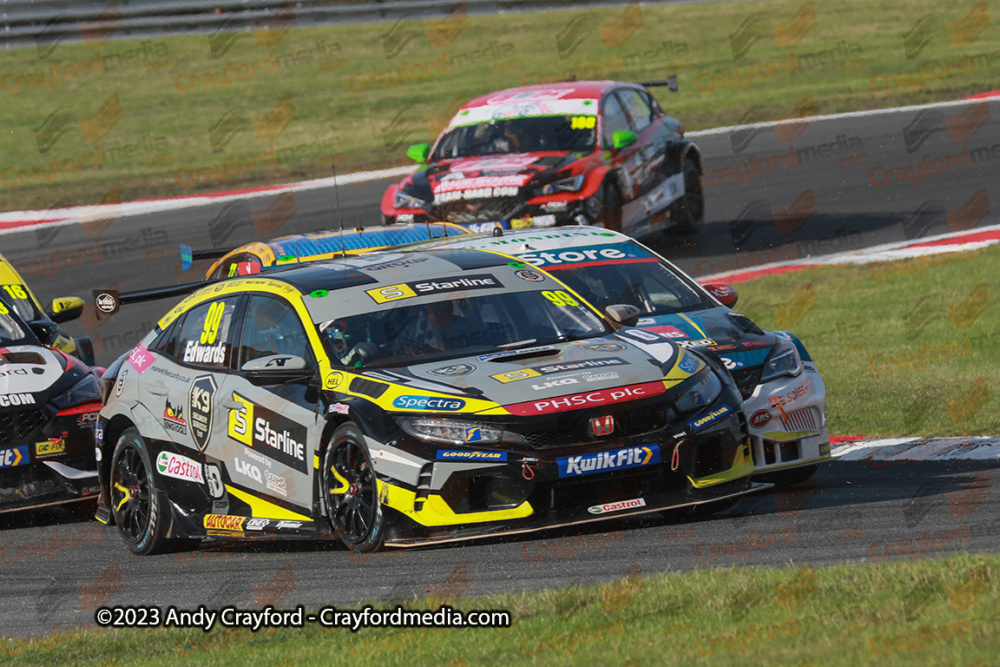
691 322
781 436
742 466
436 512
263 509
316 461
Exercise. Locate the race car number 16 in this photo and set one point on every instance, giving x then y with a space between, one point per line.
212 321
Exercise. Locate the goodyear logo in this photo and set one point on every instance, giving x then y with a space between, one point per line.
467 455
473 434
710 418
408 402
615 459
223 522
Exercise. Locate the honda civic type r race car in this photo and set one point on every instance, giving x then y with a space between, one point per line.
404 399
48 409
785 398
584 152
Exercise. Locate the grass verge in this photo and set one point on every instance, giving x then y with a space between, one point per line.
120 119
914 612
905 348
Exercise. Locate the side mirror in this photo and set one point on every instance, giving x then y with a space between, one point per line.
623 138
726 295
277 369
44 330
418 152
623 315
66 308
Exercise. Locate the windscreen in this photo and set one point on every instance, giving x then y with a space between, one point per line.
519 135
622 273
456 327
13 330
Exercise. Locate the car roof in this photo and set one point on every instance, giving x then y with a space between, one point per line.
374 268
545 238
566 90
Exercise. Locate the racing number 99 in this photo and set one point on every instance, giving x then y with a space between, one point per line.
560 298
212 322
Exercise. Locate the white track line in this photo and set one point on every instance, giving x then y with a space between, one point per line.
973 448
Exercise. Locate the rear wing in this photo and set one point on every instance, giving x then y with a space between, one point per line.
670 83
109 302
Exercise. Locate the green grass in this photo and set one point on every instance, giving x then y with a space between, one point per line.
875 331
843 615
360 113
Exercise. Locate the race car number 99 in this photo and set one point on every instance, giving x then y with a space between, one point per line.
560 298
212 322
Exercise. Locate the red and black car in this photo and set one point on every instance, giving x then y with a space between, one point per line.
581 152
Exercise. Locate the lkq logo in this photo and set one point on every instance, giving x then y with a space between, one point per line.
92 128
602 426
584 27
960 34
760 26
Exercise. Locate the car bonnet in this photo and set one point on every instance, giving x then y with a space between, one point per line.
28 369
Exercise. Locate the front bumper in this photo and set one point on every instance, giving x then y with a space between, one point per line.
535 489
52 462
788 422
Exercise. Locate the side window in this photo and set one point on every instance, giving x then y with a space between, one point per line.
205 337
638 109
272 327
613 119
166 342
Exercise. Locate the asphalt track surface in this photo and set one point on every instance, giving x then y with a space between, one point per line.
56 570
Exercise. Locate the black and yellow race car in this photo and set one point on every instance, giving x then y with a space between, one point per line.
18 296
49 402
407 399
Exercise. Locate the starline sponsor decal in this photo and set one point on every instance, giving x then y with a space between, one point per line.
713 416
615 459
13 400
179 467
551 369
588 399
617 507
468 455
140 358
408 402
223 522
269 433
427 287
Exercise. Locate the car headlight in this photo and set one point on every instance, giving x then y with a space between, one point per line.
403 200
86 390
451 431
571 184
702 393
783 360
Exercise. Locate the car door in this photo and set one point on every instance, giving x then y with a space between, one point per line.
627 161
272 427
653 190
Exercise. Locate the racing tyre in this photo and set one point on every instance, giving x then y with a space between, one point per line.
791 477
350 491
689 211
611 207
140 514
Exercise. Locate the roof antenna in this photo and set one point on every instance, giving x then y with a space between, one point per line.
340 218
359 228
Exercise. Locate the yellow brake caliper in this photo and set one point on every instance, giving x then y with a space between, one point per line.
125 499
344 484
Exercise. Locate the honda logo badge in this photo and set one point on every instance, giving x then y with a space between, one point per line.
603 425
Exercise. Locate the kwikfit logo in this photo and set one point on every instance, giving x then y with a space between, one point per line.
616 459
